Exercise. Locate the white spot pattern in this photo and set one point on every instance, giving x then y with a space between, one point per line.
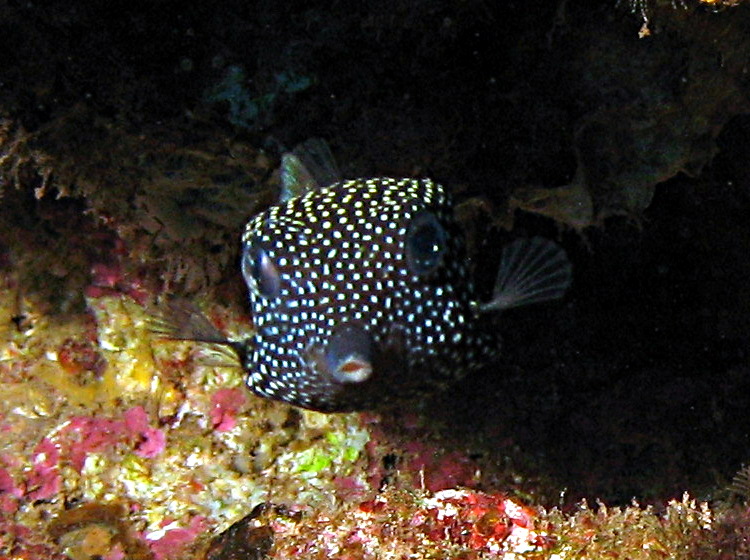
341 257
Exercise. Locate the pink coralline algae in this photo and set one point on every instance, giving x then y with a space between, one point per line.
91 434
225 404
151 441
43 482
10 493
172 542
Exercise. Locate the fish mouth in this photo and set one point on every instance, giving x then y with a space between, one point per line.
353 370
346 357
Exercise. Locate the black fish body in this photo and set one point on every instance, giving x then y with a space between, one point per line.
370 271
361 294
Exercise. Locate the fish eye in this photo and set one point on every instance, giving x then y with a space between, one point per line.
261 274
426 243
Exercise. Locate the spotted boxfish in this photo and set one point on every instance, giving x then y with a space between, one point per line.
361 293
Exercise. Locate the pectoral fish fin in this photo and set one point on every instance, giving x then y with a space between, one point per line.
531 271
309 166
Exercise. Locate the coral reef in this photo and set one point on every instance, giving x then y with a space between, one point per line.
127 446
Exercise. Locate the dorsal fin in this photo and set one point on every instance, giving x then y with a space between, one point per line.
309 166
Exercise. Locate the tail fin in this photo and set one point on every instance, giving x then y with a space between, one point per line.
183 320
531 271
